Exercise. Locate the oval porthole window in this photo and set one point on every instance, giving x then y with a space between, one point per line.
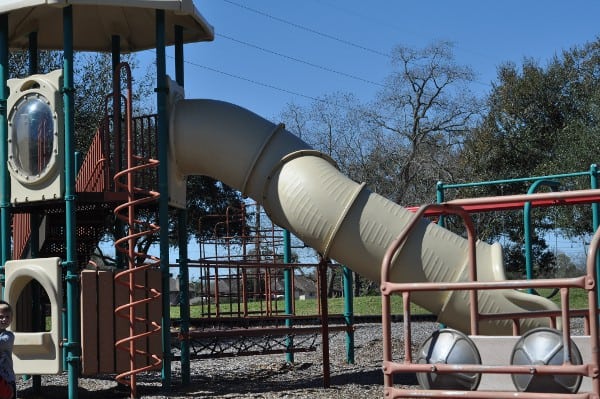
32 127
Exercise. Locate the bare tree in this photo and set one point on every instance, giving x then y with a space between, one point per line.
406 140
425 110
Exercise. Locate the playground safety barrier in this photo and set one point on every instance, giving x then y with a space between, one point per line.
473 287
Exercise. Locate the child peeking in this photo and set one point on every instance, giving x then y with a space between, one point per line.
8 387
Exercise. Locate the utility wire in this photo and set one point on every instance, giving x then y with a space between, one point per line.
256 82
298 26
328 36
301 61
313 31
269 86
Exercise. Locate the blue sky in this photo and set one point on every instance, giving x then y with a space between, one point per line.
269 53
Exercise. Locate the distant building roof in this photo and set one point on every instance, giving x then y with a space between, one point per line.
305 284
95 22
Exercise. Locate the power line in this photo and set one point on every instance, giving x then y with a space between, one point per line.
267 85
295 59
256 82
326 35
379 22
307 29
301 61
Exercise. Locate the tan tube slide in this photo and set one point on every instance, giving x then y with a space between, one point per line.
302 190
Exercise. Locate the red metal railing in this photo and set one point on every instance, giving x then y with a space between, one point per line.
587 282
94 174
21 225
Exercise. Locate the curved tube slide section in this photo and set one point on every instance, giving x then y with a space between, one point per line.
302 191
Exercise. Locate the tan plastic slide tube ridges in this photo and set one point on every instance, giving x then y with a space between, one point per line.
303 191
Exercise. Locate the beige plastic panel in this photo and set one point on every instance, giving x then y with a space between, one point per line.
49 184
304 192
96 21
36 352
177 182
177 5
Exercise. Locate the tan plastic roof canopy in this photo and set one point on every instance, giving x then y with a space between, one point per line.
95 22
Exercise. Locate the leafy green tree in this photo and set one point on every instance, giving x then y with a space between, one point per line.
541 120
566 267
19 63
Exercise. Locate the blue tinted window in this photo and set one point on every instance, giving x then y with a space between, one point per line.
32 134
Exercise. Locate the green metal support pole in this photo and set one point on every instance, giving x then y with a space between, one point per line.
4 177
72 278
117 165
184 298
439 189
595 218
184 274
33 53
595 205
518 180
36 306
36 311
118 161
115 52
163 189
179 66
349 313
527 227
288 294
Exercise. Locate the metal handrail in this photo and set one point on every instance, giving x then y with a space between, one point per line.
587 282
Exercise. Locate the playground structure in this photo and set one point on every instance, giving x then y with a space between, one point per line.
246 289
300 189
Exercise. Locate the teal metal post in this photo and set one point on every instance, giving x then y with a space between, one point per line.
179 70
518 180
36 306
349 313
4 177
36 314
184 275
115 53
527 226
118 142
439 188
72 278
595 218
184 298
288 294
163 189
33 53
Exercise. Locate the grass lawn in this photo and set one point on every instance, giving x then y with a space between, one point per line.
365 306
578 298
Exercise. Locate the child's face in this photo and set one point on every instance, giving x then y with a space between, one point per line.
5 317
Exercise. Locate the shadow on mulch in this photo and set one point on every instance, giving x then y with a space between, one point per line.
61 392
373 377
206 388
